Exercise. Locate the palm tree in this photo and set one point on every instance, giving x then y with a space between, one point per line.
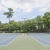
9 13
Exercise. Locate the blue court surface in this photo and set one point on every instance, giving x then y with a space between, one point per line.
5 39
42 38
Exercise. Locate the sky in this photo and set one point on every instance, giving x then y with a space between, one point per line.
28 9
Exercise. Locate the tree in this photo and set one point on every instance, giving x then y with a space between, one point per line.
39 22
46 20
0 22
9 13
13 26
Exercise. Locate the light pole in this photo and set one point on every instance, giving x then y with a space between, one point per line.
24 19
24 23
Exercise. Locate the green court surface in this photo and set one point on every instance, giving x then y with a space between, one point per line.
24 42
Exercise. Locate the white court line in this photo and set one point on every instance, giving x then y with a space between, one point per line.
5 40
10 41
42 39
39 41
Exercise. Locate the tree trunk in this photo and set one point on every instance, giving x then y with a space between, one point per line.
9 20
9 24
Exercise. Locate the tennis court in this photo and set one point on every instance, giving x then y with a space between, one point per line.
6 39
17 41
42 38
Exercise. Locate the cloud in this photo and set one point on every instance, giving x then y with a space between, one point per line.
25 5
43 10
0 8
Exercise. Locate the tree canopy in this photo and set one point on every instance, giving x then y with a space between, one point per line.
37 24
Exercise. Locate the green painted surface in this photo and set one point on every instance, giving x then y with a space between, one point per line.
24 42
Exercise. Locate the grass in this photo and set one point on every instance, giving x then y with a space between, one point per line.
24 42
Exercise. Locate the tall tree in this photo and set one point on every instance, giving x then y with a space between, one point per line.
46 19
9 13
0 22
39 22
